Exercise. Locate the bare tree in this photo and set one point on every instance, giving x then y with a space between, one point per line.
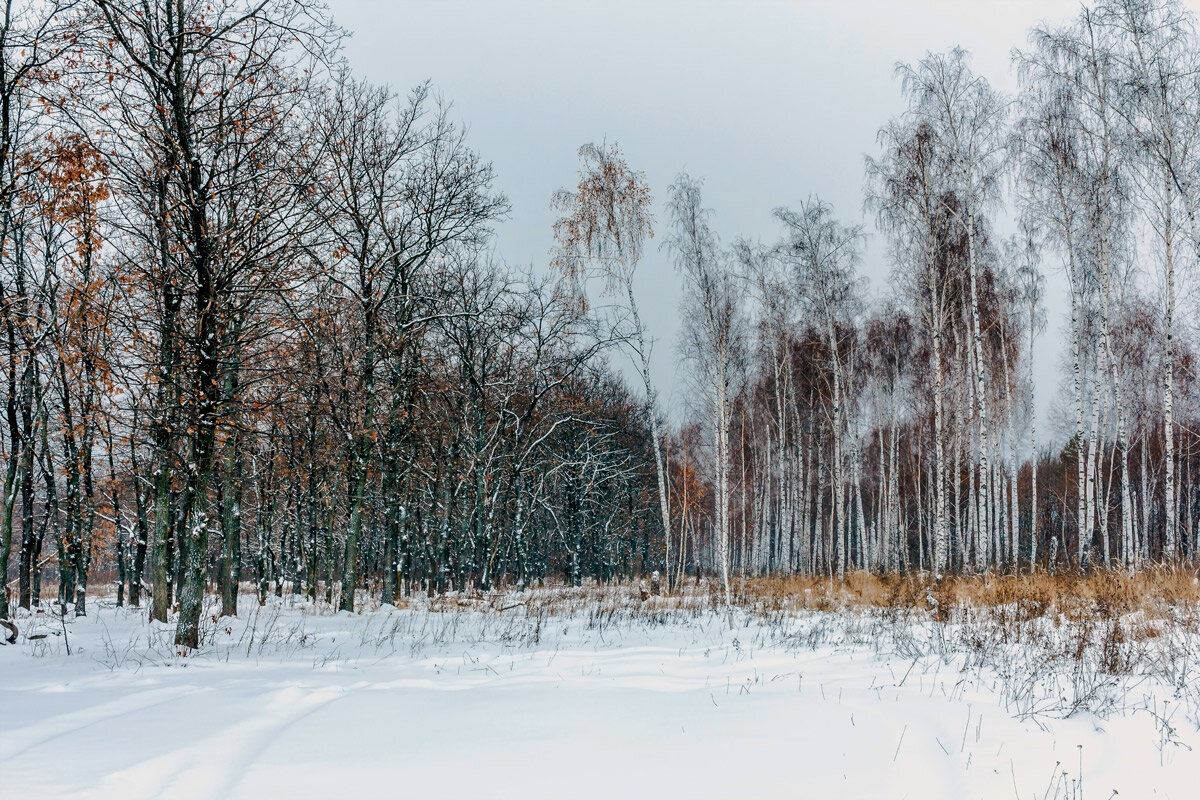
905 188
1158 97
1026 250
34 36
605 224
188 77
714 335
1075 71
966 119
824 254
394 186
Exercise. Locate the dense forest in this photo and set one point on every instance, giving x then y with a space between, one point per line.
255 332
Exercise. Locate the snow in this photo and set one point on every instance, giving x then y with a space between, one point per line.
442 699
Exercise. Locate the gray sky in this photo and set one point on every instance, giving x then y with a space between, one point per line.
768 101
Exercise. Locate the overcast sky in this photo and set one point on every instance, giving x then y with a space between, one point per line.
769 102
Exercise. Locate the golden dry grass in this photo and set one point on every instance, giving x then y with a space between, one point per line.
1156 593
1107 593
1153 594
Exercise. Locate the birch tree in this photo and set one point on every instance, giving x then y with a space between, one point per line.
1030 287
1159 99
904 188
824 255
713 339
966 119
1075 69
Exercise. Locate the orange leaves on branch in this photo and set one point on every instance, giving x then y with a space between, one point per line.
606 220
76 175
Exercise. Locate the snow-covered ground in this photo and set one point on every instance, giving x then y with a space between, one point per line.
511 701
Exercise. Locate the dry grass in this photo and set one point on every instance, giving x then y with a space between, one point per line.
1158 593
1105 594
